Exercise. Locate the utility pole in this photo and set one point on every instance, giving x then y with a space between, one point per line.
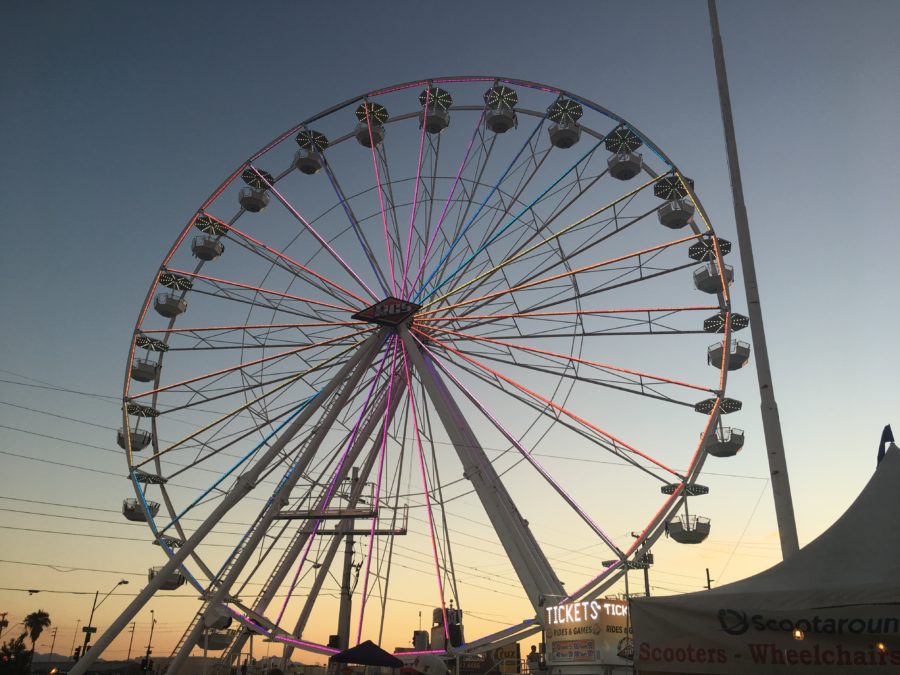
708 580
74 636
53 643
150 641
130 642
781 487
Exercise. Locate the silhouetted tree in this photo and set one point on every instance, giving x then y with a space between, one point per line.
35 623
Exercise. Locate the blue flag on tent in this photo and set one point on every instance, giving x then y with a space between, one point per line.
887 437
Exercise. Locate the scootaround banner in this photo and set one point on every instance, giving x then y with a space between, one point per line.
840 640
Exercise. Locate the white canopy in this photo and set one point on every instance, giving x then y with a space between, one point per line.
842 591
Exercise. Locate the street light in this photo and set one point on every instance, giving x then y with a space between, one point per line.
89 628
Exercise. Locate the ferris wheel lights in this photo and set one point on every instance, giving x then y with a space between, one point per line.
146 478
716 323
622 140
171 542
169 306
139 410
694 490
738 355
209 225
727 442
670 187
708 280
676 213
150 344
140 439
175 281
435 104
370 130
705 249
500 116
727 405
625 165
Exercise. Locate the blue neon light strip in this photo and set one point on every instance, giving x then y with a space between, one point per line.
503 229
241 461
480 207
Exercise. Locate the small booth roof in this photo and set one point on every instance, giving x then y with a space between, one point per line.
367 654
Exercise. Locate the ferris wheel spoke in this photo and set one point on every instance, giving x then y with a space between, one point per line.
552 404
562 275
491 237
544 241
368 251
588 434
424 259
412 217
247 364
296 264
478 211
217 282
334 481
306 224
529 457
573 358
236 411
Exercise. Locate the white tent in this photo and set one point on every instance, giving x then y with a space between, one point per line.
833 607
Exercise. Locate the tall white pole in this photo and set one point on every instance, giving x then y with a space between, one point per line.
781 486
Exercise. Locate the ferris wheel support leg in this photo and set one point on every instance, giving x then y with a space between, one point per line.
280 498
531 565
243 485
280 573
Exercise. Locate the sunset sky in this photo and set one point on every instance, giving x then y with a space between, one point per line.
122 118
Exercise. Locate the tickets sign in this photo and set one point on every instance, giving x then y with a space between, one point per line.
588 632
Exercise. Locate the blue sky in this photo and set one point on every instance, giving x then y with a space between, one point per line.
122 118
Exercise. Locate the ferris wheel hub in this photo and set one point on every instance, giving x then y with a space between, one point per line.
390 312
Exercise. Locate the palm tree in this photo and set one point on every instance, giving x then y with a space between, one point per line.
35 623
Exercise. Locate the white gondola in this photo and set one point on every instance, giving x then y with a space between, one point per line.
140 439
217 618
625 165
253 199
500 120
435 121
216 641
726 443
564 135
738 355
206 247
707 279
309 161
688 529
144 370
169 305
366 139
132 509
174 580
676 213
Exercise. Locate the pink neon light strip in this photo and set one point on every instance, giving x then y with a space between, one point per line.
550 403
437 566
331 487
296 262
526 454
258 289
318 237
387 239
462 166
412 216
377 519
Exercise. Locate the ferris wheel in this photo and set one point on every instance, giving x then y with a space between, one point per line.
443 345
